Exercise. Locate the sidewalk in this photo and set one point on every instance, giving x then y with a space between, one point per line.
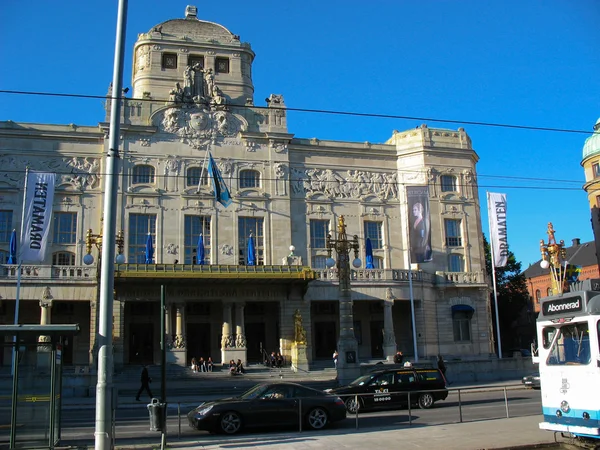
521 432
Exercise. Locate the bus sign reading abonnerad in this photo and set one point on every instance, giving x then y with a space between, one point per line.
563 306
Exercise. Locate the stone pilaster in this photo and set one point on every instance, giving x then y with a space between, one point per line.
389 336
240 333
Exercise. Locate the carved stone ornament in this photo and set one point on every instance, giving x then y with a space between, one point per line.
199 126
299 331
353 184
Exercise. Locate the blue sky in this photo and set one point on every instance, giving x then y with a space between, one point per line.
516 62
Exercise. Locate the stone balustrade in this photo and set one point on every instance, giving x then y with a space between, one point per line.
40 272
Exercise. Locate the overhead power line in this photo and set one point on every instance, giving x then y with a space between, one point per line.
322 111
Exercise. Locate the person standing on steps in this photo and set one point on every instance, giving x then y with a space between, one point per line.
145 380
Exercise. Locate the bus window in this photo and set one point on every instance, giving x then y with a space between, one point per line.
548 335
572 345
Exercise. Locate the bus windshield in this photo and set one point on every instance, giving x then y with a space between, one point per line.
571 346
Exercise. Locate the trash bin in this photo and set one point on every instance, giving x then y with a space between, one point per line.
158 415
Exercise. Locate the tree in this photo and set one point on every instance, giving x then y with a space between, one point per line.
517 325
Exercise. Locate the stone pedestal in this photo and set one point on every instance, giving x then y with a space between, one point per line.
44 358
177 356
299 358
227 354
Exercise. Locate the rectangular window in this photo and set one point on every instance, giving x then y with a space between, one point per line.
65 228
456 263
169 61
139 227
196 59
318 233
193 226
373 231
598 201
462 326
448 183
596 170
318 262
222 65
254 225
452 228
63 259
5 225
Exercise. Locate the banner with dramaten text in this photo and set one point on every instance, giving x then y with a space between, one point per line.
498 237
35 228
419 223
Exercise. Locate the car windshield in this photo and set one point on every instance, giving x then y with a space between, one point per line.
360 381
255 392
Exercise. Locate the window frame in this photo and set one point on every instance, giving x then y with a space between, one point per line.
249 179
57 256
193 226
254 225
137 236
596 170
194 59
455 239
224 60
60 235
448 183
374 231
193 179
139 177
452 259
165 60
6 224
461 326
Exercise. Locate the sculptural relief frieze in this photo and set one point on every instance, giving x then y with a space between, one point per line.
353 184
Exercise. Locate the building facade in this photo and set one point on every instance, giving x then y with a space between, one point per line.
539 283
193 94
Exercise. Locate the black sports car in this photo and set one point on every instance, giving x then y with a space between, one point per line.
269 404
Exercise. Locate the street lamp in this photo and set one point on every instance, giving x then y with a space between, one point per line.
553 257
347 345
92 239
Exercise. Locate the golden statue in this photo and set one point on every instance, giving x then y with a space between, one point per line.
299 331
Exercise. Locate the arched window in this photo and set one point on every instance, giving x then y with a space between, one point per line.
456 263
193 177
63 259
448 183
249 179
143 175
548 292
538 295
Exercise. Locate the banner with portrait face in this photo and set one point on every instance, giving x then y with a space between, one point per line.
419 223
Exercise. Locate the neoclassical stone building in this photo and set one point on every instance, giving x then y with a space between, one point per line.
193 94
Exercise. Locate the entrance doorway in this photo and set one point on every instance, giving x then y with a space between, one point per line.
325 339
67 350
198 341
141 339
255 338
377 339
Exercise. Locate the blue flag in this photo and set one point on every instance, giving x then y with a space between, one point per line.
219 186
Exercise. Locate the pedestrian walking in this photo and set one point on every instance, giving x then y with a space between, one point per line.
442 366
335 358
145 380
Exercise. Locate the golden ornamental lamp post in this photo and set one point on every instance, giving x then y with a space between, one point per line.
95 240
553 257
347 365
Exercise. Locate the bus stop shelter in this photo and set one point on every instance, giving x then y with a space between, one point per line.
33 418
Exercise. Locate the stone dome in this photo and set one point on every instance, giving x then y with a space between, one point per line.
193 28
591 146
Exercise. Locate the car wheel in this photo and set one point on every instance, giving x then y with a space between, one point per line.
425 401
352 406
230 423
317 418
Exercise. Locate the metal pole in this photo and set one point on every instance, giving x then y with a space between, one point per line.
495 290
506 403
356 410
163 363
409 411
104 387
459 407
299 415
179 419
410 286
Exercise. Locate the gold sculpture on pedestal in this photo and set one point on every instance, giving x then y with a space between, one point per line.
553 257
299 331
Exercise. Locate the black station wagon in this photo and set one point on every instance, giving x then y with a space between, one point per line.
389 389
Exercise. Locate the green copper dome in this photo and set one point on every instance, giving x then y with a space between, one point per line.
592 144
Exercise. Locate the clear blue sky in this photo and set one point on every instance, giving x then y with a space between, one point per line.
512 61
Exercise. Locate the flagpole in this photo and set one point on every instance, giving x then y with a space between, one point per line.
19 262
494 281
202 170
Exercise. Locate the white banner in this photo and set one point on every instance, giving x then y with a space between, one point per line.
497 218
35 228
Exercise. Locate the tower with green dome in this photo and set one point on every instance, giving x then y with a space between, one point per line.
591 167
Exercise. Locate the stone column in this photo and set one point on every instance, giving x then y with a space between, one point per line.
240 334
44 350
228 343
168 331
177 355
389 336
